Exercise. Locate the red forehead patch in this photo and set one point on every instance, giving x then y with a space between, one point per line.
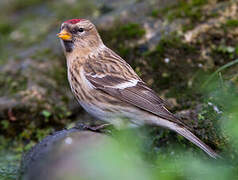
73 21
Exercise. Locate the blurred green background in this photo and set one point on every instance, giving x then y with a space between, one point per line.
186 50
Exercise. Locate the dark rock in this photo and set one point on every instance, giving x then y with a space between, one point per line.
60 155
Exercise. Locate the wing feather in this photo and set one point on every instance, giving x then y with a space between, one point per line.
138 95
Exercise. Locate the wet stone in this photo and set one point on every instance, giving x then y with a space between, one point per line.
62 154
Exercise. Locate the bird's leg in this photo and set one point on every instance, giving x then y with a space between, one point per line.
97 128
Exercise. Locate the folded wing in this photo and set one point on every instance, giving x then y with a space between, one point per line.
134 92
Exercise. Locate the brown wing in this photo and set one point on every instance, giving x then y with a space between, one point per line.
139 95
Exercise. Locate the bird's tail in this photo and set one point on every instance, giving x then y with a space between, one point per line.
190 136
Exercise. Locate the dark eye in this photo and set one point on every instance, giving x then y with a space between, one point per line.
80 30
76 30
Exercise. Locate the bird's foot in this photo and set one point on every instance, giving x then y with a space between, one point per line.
98 128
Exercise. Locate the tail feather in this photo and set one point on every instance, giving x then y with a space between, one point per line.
195 140
188 135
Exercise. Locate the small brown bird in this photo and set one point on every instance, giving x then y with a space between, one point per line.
107 87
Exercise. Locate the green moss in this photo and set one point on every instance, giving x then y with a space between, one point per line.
43 53
121 37
5 28
5 124
59 73
232 23
155 13
198 2
42 133
185 9
10 158
46 114
13 82
187 27
9 164
173 75
172 41
105 9
236 49
123 51
209 118
122 33
4 50
130 31
226 51
25 35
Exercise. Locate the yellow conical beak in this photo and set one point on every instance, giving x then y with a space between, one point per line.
65 35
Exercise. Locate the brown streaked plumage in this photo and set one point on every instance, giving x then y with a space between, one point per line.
108 88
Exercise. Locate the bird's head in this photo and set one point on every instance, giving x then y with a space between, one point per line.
79 35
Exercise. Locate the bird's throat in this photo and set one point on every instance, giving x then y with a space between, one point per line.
69 45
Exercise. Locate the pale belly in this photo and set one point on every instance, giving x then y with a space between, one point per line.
123 117
118 115
95 111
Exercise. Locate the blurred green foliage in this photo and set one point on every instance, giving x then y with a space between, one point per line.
232 23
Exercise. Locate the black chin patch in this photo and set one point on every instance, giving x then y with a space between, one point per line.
69 45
